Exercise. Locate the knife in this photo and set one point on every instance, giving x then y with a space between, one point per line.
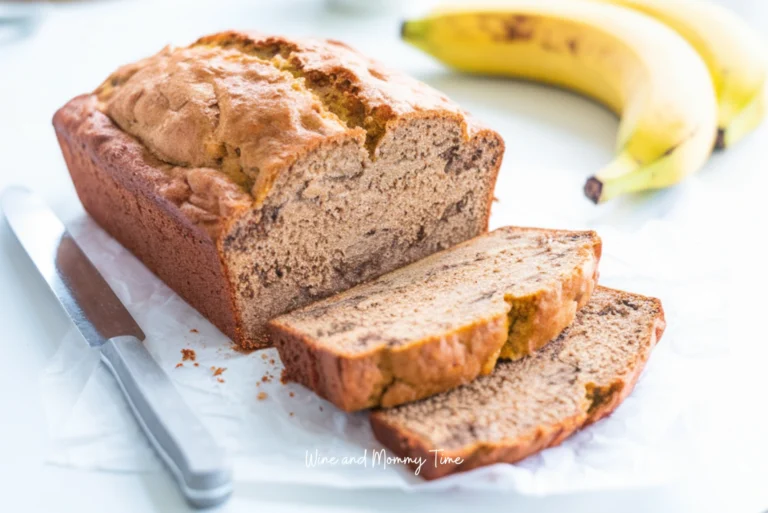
187 448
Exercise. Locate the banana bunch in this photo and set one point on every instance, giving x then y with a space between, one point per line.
734 54
674 105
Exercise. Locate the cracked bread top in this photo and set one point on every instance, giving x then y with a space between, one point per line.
248 106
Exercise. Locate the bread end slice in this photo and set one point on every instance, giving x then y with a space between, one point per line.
533 403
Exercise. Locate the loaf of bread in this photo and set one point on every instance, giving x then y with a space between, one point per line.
257 174
532 403
442 321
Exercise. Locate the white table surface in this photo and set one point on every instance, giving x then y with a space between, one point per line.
76 45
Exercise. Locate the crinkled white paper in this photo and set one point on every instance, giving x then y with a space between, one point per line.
649 440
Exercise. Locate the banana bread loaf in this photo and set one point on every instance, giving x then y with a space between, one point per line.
532 403
257 174
441 321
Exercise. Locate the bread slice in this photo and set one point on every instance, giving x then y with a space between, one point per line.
533 403
257 174
442 321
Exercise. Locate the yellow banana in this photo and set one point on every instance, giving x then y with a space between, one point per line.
734 53
636 66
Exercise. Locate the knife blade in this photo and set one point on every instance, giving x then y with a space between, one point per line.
82 291
190 452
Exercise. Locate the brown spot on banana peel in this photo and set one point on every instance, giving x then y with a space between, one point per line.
573 46
517 28
548 47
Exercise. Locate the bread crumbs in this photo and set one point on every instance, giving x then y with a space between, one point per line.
242 350
261 396
284 377
218 371
291 394
264 356
194 330
220 380
291 414
179 365
197 364
188 354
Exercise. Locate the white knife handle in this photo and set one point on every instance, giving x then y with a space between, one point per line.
196 461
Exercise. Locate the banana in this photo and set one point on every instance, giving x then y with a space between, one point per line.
639 68
735 55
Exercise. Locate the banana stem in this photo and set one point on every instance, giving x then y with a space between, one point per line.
413 30
613 179
746 121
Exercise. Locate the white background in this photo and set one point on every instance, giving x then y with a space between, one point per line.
554 140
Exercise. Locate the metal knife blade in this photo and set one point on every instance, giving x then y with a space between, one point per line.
77 284
195 459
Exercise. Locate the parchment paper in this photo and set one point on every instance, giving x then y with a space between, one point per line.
273 430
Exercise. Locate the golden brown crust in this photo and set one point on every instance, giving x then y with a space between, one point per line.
221 108
359 91
602 399
119 189
251 105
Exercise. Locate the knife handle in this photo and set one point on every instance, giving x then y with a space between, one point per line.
187 448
